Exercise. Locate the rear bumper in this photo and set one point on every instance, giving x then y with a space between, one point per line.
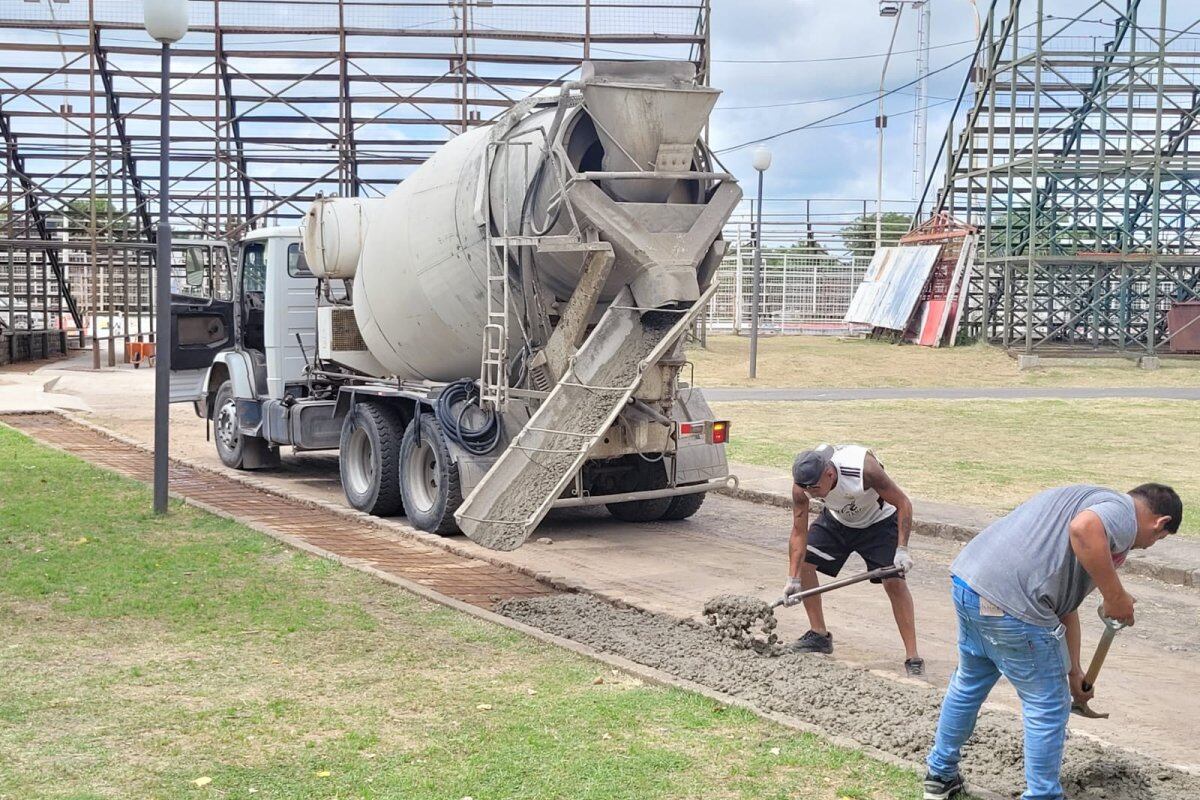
729 481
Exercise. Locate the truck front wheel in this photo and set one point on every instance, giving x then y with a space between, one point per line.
428 477
369 459
236 449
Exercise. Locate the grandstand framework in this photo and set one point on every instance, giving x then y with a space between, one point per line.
1080 163
272 103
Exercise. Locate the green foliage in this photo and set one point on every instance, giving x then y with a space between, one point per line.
859 235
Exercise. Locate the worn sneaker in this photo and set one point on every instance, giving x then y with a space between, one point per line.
813 642
915 666
942 788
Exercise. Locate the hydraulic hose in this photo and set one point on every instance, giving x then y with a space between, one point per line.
479 440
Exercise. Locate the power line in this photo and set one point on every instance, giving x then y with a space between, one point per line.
873 93
828 58
854 107
872 119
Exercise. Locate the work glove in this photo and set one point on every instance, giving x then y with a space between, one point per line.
903 560
791 592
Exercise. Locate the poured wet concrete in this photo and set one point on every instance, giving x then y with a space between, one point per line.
893 716
744 623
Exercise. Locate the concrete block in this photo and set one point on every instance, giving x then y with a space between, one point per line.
1028 361
1148 362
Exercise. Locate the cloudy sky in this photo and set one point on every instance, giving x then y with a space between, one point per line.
785 63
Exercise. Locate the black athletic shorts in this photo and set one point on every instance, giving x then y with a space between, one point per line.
830 543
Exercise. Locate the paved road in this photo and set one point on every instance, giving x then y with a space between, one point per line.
981 393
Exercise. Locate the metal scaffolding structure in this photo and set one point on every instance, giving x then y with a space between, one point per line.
1078 161
272 103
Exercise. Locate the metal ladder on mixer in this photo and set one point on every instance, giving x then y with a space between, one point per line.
493 373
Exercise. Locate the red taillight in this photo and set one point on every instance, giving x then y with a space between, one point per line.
689 428
720 432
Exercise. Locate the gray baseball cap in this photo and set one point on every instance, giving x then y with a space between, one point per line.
809 465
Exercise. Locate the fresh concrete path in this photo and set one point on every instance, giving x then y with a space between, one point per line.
815 394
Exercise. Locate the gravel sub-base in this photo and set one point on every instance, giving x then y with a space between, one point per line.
898 718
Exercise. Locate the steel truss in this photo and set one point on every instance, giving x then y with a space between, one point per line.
273 102
1079 163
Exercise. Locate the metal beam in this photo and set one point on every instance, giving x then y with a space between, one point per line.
118 122
34 209
234 124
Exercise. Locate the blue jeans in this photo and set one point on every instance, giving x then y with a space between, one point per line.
1036 662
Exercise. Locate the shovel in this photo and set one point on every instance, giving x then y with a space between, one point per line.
1111 626
735 616
876 574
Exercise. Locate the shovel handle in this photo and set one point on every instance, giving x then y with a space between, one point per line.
882 573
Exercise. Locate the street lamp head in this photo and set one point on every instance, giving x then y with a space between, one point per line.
762 159
166 20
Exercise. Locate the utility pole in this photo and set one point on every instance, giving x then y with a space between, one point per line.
921 117
886 9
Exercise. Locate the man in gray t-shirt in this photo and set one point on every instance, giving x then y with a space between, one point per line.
1017 589
1024 563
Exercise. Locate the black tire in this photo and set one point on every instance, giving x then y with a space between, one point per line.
234 448
429 480
640 510
684 506
369 459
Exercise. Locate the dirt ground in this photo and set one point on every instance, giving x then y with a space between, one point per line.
1148 683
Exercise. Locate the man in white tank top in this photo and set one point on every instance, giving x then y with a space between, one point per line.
866 513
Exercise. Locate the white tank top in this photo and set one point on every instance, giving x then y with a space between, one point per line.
848 502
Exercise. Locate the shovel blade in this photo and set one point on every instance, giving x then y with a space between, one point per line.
1083 710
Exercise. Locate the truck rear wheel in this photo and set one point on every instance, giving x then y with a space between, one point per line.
369 459
236 449
640 510
684 506
428 477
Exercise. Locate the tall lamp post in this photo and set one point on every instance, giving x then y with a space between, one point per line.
166 21
762 162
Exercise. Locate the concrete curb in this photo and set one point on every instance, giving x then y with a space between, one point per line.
641 671
1142 565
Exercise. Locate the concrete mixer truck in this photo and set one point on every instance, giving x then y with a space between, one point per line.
504 333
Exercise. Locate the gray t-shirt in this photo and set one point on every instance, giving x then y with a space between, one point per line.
1024 563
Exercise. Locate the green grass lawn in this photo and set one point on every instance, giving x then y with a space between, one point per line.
193 657
993 454
827 361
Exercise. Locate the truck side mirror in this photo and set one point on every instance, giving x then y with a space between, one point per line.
194 267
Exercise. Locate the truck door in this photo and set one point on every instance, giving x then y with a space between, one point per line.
201 314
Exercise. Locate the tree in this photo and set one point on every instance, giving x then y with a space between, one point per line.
859 235
111 222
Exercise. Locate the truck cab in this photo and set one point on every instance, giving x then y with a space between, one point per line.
247 386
